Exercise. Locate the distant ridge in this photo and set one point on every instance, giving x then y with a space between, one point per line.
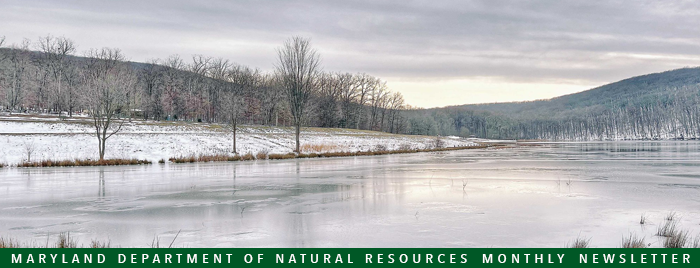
653 106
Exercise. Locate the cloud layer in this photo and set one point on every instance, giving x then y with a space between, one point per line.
532 42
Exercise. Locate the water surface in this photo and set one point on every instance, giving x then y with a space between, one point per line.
530 196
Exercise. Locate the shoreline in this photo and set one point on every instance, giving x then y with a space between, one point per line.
47 141
230 158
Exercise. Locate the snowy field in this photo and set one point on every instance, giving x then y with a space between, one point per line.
55 139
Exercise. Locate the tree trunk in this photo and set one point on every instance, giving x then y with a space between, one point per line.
234 137
298 130
102 149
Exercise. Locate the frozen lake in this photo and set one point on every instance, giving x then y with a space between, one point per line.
531 196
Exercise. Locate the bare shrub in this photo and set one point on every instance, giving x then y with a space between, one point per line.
438 143
380 148
405 147
29 149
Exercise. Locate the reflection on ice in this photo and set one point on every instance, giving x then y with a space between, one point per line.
531 196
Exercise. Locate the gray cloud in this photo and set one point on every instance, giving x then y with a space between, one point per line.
591 42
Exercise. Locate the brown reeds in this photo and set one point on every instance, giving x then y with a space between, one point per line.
9 243
203 158
281 156
319 148
265 155
248 156
84 162
64 241
262 155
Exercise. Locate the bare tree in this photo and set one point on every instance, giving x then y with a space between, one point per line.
298 69
108 82
270 95
378 99
234 106
396 103
19 61
56 52
364 85
29 149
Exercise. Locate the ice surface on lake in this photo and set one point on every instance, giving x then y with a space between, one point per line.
531 196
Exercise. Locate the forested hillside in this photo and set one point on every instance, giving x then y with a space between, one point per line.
49 75
655 106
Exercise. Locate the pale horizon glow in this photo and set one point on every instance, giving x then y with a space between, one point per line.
479 90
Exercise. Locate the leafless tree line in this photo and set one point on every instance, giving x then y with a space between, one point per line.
669 112
49 76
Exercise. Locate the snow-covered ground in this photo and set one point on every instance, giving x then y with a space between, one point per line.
51 138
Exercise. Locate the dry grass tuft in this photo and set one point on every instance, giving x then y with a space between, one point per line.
580 242
202 158
643 219
309 155
696 242
668 229
320 148
98 244
337 154
9 243
65 241
213 158
281 156
632 241
248 156
671 216
678 239
262 155
84 162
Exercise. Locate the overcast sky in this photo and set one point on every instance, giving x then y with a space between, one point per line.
435 52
